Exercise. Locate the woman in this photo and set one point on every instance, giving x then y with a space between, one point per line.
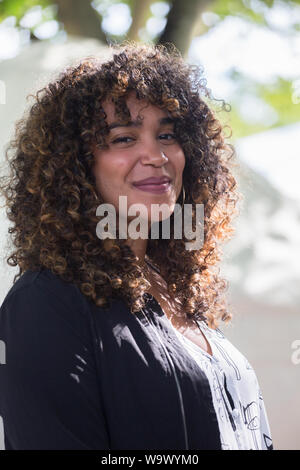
113 343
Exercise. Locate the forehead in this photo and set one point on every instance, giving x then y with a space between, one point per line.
136 107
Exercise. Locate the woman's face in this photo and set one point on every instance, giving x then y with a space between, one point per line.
138 151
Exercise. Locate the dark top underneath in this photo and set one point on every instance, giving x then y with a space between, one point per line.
77 376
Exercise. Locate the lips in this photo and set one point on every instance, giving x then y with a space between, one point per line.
153 185
152 181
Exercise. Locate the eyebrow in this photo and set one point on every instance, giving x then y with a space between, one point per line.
138 123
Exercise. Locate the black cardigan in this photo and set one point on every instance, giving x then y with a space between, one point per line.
77 376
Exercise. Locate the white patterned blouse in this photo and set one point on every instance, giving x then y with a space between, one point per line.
237 397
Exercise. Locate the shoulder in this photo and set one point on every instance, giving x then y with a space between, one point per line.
43 284
43 299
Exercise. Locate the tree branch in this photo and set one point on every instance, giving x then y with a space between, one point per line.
140 13
183 18
80 19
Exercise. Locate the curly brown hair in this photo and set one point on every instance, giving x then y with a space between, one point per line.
51 195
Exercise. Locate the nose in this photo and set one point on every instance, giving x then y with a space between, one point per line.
151 153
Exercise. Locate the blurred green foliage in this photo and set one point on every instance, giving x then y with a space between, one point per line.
278 95
18 8
245 9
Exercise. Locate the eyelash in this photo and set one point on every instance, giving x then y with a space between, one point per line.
121 139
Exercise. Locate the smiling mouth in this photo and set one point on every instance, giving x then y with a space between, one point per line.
154 188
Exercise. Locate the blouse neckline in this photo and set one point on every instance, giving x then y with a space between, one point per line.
194 345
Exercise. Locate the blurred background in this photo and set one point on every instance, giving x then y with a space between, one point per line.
250 54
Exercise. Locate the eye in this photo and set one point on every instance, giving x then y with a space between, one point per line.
122 139
168 136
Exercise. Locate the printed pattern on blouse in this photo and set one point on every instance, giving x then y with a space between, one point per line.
236 394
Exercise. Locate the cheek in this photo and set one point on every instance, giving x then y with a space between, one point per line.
111 172
110 167
180 161
103 172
